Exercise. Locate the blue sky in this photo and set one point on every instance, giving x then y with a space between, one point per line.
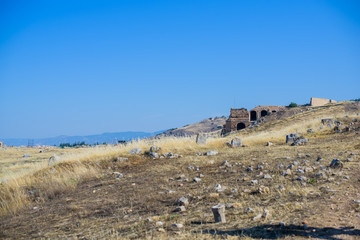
88 67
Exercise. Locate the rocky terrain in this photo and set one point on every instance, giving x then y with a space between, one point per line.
265 182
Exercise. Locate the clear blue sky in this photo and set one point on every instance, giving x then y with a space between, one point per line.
86 67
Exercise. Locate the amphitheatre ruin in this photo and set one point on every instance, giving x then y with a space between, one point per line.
241 118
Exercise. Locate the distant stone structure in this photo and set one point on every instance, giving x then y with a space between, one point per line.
239 119
314 102
242 118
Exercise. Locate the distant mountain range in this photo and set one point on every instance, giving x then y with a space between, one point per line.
109 138
206 126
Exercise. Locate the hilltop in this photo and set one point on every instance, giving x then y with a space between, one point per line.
205 126
271 190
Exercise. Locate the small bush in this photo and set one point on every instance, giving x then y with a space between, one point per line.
292 104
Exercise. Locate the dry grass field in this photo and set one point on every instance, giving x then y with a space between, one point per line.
80 197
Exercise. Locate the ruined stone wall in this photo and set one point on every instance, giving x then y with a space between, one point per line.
320 101
237 116
232 124
261 111
268 108
241 118
242 113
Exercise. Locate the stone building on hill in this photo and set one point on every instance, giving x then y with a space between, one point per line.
241 118
314 102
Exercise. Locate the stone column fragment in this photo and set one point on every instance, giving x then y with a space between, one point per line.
219 213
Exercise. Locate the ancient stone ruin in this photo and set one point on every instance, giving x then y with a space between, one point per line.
314 102
242 118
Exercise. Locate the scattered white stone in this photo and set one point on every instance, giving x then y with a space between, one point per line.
301 178
224 163
154 155
196 179
182 176
118 175
266 214
287 172
120 159
53 160
211 153
267 176
257 217
336 163
135 151
180 209
249 210
177 225
184 201
155 149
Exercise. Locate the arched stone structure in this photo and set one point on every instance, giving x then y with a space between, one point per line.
253 116
240 126
242 118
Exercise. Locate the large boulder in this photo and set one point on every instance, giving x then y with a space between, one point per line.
236 142
211 153
201 138
296 140
154 155
300 141
336 163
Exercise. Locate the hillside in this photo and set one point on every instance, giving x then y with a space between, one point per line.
270 190
205 126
